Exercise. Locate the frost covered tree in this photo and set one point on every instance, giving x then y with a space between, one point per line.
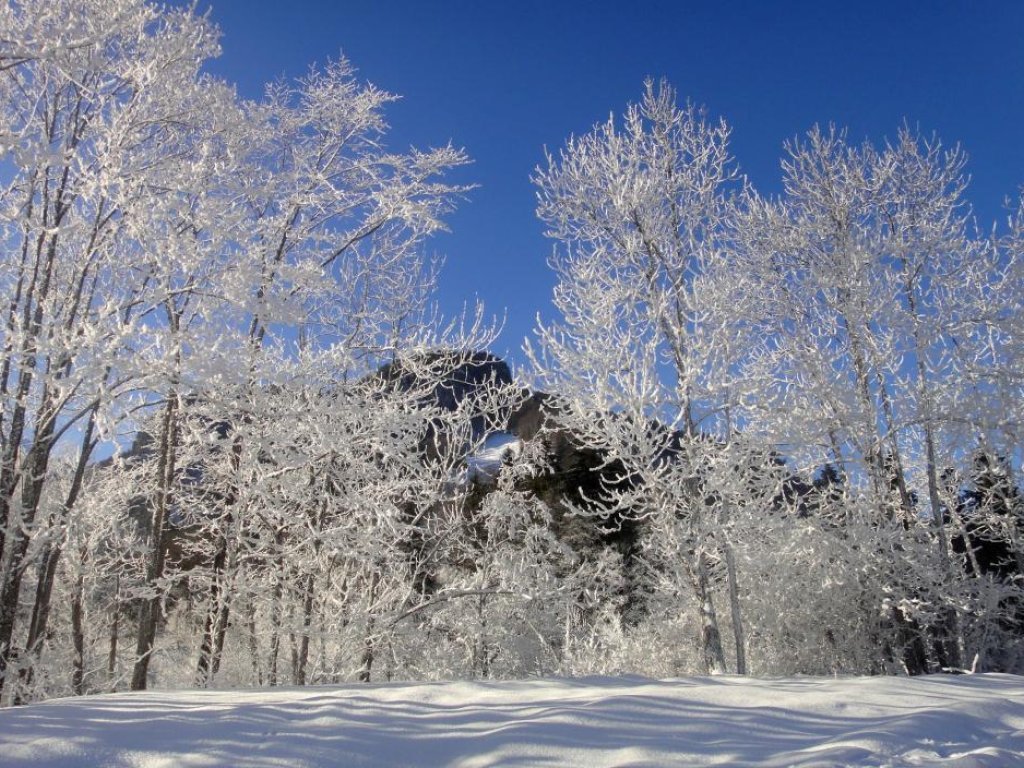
101 103
801 413
637 360
175 254
866 294
719 351
326 228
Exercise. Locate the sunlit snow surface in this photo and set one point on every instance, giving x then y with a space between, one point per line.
487 461
963 721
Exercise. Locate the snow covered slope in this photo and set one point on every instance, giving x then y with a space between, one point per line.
962 721
487 461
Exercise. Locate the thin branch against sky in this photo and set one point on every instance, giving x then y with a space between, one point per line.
504 81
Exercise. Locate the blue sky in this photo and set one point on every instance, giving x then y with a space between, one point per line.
504 80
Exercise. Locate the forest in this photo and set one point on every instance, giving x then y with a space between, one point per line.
240 446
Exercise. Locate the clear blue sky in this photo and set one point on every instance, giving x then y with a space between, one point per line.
504 80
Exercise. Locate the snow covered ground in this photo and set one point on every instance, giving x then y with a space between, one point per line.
963 721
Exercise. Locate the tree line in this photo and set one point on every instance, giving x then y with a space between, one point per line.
238 445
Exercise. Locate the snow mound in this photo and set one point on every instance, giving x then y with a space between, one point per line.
487 461
961 721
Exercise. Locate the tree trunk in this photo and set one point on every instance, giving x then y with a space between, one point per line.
308 602
225 562
275 609
40 608
51 554
293 651
217 615
481 648
954 645
78 637
711 638
149 612
18 540
737 616
254 645
114 629
307 623
366 661
14 538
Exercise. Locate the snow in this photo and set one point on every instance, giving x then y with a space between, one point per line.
488 459
970 720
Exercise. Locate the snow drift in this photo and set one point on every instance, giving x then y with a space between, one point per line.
964 721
